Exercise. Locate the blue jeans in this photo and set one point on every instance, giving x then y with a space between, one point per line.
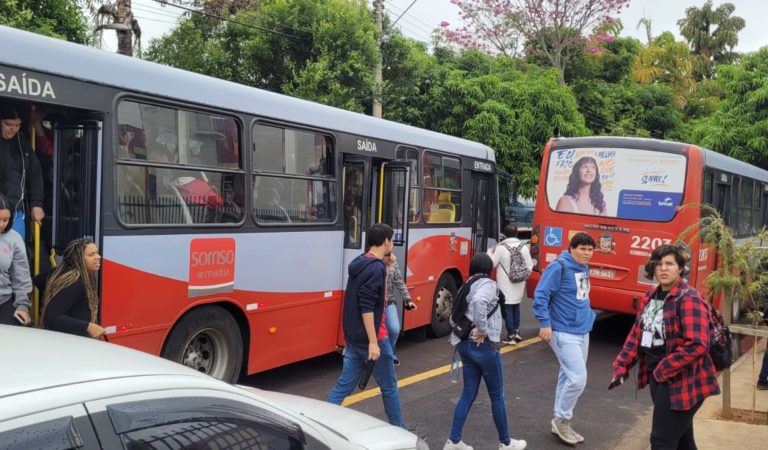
571 351
481 361
764 369
355 359
19 224
392 321
513 318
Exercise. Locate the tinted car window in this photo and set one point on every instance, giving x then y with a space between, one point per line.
202 423
56 434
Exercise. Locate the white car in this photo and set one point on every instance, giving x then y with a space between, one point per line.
59 391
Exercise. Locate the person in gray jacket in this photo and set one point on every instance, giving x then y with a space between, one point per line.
15 282
395 287
480 357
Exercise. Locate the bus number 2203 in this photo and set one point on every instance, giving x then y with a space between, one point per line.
647 243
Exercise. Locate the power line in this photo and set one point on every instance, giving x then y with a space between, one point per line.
425 25
404 12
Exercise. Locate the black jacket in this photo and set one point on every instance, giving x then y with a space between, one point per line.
14 168
364 294
68 311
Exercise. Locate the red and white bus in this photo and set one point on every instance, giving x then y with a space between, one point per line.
227 215
633 208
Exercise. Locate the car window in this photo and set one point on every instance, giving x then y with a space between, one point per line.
202 422
55 429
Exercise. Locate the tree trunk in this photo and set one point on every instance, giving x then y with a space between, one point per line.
124 17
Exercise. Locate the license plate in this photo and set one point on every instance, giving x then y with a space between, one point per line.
603 273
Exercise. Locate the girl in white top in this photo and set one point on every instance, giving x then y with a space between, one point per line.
583 195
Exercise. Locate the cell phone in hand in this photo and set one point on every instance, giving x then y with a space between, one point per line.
366 375
617 382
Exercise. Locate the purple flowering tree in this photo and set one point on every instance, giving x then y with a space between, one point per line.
553 27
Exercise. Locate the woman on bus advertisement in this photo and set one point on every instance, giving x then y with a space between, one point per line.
70 301
15 282
583 194
670 341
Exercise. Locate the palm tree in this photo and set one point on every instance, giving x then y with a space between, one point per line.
711 34
118 16
646 23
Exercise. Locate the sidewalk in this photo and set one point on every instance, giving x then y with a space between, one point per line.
714 433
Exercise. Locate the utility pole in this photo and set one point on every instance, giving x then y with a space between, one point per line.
377 77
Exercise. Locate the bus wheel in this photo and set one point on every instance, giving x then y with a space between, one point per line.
207 340
442 305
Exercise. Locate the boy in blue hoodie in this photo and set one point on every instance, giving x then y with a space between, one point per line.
365 330
561 305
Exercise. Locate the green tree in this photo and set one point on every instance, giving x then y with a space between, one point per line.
739 126
61 19
666 62
712 35
319 50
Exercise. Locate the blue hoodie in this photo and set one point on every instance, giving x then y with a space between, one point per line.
557 303
364 294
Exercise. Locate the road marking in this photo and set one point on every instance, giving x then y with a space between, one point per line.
375 392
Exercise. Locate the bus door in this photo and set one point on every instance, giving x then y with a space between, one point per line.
482 216
355 208
76 178
392 199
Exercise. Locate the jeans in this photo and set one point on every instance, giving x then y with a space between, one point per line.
571 351
764 369
19 224
392 321
512 321
481 361
355 359
670 430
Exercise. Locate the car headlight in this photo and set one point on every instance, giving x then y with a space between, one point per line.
421 444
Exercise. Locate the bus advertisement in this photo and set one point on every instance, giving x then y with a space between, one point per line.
227 215
627 194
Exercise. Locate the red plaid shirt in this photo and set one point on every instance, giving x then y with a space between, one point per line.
687 367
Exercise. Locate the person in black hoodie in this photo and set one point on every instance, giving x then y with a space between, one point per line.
21 178
365 330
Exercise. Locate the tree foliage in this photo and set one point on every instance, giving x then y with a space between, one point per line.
712 33
739 126
667 62
61 19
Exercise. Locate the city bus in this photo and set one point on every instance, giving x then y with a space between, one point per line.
227 215
630 207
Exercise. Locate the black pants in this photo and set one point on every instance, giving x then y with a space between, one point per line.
6 313
671 430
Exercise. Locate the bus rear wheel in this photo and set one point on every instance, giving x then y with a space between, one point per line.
208 340
442 305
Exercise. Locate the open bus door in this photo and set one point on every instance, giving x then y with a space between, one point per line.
483 218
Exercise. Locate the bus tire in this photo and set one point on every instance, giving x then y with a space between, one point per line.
442 305
207 339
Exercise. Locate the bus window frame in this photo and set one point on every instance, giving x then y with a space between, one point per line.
459 219
416 184
254 173
116 161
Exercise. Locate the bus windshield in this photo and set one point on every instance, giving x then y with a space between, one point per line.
622 183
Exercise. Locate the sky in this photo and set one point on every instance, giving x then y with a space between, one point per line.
426 15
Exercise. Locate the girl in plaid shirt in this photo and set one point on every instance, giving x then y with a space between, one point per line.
670 341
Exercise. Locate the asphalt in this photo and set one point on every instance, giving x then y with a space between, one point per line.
712 431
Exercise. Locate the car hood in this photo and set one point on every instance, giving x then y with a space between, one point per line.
356 427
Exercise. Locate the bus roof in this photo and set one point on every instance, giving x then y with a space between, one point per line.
29 51
711 158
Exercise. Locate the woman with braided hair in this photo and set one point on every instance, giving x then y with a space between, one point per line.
70 301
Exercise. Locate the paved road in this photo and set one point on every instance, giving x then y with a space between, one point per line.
608 420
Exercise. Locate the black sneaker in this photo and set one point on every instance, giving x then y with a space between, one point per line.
517 337
762 385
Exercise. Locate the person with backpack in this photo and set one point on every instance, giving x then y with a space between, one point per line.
513 264
561 305
670 341
476 335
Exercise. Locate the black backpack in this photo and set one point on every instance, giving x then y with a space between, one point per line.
462 326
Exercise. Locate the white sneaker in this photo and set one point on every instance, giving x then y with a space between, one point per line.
513 445
562 428
457 446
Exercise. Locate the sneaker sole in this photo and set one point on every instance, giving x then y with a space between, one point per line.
562 438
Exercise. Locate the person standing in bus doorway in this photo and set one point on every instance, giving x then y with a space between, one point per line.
395 287
21 178
365 330
70 299
15 282
561 305
584 194
670 341
513 292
